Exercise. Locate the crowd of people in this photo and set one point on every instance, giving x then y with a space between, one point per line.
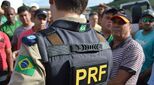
131 62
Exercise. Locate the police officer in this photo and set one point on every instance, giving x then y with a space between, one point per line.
67 53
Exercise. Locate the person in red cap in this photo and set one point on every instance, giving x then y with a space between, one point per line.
128 55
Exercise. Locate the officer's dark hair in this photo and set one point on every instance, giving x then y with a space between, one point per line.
77 6
93 13
110 11
6 3
23 9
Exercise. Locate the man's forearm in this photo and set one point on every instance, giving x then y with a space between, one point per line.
115 82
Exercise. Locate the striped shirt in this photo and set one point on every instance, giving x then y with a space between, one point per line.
128 56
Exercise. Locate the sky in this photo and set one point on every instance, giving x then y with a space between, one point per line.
46 4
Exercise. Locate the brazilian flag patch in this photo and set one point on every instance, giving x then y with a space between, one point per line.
25 65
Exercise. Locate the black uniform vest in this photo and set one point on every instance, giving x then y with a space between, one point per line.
74 54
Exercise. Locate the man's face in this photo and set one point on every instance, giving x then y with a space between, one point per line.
49 16
40 21
10 15
93 19
32 11
147 23
106 22
4 7
53 9
120 30
25 17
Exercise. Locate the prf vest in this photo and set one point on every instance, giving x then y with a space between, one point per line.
74 54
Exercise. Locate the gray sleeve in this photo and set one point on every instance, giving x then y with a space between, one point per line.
133 60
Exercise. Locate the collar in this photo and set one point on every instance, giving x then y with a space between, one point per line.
122 43
110 38
72 24
74 19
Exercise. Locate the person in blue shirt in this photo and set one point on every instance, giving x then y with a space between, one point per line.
146 39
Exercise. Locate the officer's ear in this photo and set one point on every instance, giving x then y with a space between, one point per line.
52 1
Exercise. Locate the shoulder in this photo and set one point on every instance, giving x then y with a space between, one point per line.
26 33
29 40
18 23
19 29
153 31
99 26
3 34
134 47
139 32
4 25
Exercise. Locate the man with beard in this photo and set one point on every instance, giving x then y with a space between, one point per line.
146 39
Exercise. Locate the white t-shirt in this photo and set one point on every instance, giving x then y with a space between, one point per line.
151 80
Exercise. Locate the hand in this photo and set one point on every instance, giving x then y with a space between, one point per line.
8 77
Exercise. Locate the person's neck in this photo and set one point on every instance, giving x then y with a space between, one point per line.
146 31
116 43
93 25
35 29
118 40
11 22
106 33
61 14
29 24
38 28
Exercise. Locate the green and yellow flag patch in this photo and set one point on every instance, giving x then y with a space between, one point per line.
25 65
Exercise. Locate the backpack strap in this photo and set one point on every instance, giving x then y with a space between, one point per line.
41 43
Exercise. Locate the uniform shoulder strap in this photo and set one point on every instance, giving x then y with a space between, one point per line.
51 35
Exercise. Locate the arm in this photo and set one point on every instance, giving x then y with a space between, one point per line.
9 59
35 72
14 41
130 65
145 74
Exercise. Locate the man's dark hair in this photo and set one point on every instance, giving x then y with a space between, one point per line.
23 9
102 5
77 6
6 3
110 11
9 8
93 13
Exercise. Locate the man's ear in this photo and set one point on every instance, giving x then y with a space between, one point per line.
52 1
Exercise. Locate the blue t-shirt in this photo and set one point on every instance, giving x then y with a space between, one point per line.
147 42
